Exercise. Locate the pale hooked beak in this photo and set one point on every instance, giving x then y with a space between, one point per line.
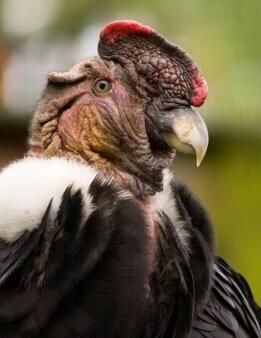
185 130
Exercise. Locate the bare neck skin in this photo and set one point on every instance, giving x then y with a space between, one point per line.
107 132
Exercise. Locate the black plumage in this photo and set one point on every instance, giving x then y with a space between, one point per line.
78 280
95 239
229 310
67 278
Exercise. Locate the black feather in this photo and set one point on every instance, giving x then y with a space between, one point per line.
224 305
76 277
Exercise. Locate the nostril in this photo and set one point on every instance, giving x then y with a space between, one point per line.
168 106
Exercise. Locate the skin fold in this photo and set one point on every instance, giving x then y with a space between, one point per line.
115 247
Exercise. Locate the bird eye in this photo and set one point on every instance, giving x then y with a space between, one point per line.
102 86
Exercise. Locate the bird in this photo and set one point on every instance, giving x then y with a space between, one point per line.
97 238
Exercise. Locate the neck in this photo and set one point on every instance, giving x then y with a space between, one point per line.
141 184
134 165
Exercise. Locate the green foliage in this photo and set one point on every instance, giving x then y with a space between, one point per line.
229 185
224 37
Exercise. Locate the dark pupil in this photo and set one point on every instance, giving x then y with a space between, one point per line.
102 85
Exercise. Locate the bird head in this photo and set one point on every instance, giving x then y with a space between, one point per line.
127 111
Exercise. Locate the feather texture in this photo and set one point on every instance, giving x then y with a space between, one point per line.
102 263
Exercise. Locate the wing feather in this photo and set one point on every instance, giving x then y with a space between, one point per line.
231 310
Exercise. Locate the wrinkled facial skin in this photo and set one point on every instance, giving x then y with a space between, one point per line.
101 124
168 72
121 131
108 130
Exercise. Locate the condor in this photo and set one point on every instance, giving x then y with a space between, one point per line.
96 237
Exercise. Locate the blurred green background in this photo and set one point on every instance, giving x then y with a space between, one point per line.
222 36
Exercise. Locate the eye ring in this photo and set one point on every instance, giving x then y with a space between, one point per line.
101 86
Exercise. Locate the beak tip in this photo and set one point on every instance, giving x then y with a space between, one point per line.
189 133
200 155
199 161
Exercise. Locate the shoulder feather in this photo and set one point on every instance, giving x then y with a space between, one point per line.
27 187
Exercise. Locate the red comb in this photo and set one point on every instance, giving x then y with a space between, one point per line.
121 28
200 89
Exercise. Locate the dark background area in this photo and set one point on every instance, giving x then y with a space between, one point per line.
222 36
